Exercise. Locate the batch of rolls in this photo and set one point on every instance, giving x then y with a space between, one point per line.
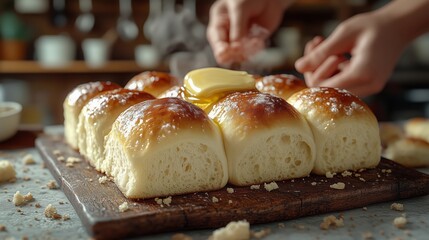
154 142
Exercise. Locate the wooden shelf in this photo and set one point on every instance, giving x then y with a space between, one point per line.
34 67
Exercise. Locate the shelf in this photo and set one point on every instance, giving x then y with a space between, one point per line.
34 67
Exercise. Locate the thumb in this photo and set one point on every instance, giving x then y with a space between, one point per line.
238 24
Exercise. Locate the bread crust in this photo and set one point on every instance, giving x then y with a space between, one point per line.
152 82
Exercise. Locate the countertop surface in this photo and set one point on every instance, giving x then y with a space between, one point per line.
28 221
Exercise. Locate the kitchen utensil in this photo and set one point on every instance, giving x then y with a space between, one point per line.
55 50
126 27
85 21
96 52
59 18
155 9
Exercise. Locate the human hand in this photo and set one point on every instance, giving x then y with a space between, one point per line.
239 28
374 46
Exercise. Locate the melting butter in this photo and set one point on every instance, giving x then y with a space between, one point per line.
206 82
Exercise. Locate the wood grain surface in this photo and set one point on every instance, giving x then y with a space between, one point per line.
97 204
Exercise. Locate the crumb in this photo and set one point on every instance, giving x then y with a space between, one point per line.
257 186
293 180
400 222
229 201
281 225
19 199
57 152
52 184
123 207
70 165
365 208
386 170
26 178
2 228
397 206
367 236
181 236
346 173
330 175
103 179
232 231
230 190
313 184
357 175
37 205
261 234
66 217
72 160
51 212
271 186
215 199
362 179
167 201
331 221
61 202
338 185
61 158
28 159
7 171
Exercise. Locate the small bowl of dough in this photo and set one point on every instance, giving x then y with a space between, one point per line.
10 114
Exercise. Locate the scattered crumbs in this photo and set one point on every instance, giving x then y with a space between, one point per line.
66 217
357 174
19 199
400 222
232 231
261 233
331 221
2 228
386 170
161 201
281 225
230 190
329 174
346 173
103 179
362 179
313 184
257 186
397 206
61 158
123 207
51 212
7 171
338 185
70 165
72 160
367 236
181 236
61 202
90 180
229 201
365 208
52 184
215 199
271 186
26 178
28 159
37 205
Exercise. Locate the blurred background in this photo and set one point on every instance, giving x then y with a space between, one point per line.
48 47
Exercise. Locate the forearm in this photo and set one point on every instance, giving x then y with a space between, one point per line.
410 18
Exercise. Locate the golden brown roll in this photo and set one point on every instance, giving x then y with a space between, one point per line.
97 117
74 103
265 138
280 85
165 147
152 82
417 128
390 133
174 91
410 152
345 130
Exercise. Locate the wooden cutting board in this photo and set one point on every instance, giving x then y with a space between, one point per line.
97 204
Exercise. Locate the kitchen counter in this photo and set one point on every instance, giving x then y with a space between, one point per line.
29 221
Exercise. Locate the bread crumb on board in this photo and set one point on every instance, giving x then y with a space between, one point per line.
52 184
103 179
330 175
7 171
230 190
397 206
331 221
70 161
51 212
19 199
346 173
400 222
261 233
28 159
124 207
257 186
181 236
338 185
271 186
164 201
215 199
239 230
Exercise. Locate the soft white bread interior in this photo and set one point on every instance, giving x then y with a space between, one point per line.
97 117
165 147
152 82
74 103
410 152
280 85
417 128
345 130
265 138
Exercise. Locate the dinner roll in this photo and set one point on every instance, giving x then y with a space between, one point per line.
345 130
417 128
174 91
97 117
410 152
389 133
280 85
152 82
165 147
265 138
74 103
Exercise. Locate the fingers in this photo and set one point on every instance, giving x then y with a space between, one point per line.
238 21
327 69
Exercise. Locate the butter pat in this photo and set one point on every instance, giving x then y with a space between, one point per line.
206 82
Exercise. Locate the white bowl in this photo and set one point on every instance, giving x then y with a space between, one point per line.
10 114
